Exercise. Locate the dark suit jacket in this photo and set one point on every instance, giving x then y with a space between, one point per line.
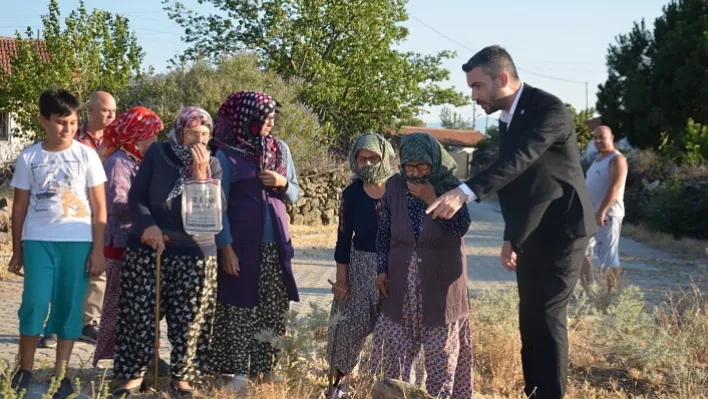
537 176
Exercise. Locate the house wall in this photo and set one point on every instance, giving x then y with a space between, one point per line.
462 157
11 147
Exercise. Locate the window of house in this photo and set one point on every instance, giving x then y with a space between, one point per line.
4 125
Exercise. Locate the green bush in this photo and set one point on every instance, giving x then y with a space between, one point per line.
691 148
680 207
207 86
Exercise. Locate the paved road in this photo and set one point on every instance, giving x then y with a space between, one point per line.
652 269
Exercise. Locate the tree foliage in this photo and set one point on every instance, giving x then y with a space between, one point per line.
92 51
658 79
411 121
582 130
691 147
453 120
207 86
344 51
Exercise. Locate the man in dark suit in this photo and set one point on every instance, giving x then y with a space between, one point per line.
546 207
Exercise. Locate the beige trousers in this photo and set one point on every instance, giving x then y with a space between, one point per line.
94 300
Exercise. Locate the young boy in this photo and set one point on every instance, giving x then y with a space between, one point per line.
59 219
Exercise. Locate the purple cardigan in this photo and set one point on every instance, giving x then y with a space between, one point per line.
247 203
120 170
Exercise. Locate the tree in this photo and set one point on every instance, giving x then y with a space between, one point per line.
411 121
344 51
453 120
92 52
582 130
208 86
658 79
492 135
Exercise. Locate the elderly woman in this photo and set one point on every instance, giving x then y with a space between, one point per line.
188 286
356 299
125 142
256 280
422 274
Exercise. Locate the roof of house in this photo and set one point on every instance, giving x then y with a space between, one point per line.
461 138
8 49
593 123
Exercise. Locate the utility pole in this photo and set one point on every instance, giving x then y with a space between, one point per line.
486 123
586 96
474 115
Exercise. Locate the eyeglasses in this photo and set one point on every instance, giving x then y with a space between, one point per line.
421 167
374 159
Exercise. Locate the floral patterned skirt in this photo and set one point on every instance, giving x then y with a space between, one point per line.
352 321
447 349
188 297
109 313
242 342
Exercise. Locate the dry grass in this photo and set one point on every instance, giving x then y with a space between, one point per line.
5 255
687 248
619 348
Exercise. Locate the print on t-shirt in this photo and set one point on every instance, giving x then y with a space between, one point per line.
55 177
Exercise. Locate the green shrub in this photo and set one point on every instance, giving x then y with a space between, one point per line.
680 208
692 146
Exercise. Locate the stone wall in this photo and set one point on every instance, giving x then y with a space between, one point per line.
320 196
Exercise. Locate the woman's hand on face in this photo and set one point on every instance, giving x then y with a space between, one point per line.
270 178
425 192
200 162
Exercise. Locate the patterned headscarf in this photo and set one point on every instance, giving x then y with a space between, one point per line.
376 173
136 124
422 147
188 118
238 127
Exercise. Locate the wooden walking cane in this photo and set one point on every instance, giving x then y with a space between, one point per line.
156 359
158 281
332 377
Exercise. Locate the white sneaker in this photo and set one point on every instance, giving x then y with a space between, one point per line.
239 384
335 393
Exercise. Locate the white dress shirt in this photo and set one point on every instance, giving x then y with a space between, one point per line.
505 117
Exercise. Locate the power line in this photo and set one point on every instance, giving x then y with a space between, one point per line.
470 49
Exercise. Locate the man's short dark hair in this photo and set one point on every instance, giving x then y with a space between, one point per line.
494 60
58 101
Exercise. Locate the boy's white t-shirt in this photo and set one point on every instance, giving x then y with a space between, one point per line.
59 209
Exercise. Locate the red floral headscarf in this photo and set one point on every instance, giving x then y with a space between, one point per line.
136 124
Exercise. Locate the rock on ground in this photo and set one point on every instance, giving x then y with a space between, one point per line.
394 389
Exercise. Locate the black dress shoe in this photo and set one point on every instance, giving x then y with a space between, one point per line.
21 381
182 393
65 389
126 393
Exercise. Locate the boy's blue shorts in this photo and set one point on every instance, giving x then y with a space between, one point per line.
55 272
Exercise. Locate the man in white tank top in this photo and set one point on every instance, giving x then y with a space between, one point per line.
606 179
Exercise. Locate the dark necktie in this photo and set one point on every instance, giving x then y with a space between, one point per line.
502 131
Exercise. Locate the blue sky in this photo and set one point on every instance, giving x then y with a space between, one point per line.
561 39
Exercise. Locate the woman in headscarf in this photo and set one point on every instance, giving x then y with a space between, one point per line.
422 274
356 301
188 286
256 279
125 141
